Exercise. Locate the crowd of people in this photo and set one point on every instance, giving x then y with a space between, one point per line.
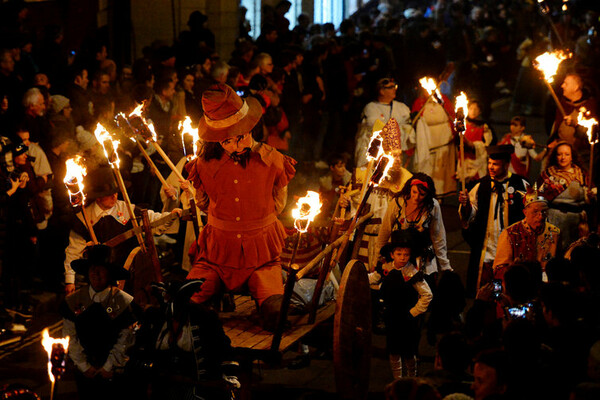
313 93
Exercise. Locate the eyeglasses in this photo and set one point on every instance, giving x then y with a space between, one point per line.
391 87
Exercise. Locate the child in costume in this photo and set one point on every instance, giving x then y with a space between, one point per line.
406 296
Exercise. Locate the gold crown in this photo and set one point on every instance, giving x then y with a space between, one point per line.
532 196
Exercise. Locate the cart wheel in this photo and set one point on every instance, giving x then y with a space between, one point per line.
352 333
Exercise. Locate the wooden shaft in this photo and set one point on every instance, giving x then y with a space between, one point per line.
168 160
89 225
151 246
591 170
416 118
462 161
553 93
151 164
129 207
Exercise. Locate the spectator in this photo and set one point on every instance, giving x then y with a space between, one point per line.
35 120
490 376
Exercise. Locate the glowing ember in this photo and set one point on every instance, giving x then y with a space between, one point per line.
461 110
588 124
307 209
109 145
548 63
56 349
375 148
383 168
185 127
74 180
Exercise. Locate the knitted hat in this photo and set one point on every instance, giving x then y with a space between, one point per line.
58 103
226 114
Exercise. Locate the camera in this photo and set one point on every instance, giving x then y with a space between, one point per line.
497 287
522 311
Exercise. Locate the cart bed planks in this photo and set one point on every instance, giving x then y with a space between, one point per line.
242 328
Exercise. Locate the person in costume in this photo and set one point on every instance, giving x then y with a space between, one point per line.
520 160
478 136
565 186
98 318
108 216
442 151
242 186
406 296
531 239
413 142
487 209
415 207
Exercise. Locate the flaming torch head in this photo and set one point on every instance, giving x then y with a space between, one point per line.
430 86
74 180
57 351
588 124
461 110
307 208
548 63
140 125
109 144
185 127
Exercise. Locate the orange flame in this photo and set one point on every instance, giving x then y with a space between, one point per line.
387 169
109 145
185 127
548 63
307 208
137 111
150 126
462 104
376 136
429 84
47 342
588 124
74 177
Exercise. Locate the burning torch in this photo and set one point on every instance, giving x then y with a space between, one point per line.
110 147
460 122
57 352
548 64
74 183
124 123
589 125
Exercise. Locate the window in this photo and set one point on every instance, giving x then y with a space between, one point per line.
295 10
329 11
253 15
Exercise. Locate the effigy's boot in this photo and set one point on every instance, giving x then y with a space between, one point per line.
396 366
269 312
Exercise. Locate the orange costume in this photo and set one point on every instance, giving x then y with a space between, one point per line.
242 191
243 238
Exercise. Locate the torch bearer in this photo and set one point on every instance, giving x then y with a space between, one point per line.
110 147
588 124
74 183
461 110
57 351
545 11
548 64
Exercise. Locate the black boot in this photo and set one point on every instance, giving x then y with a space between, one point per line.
269 312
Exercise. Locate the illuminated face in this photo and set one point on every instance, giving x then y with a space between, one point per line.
103 84
417 194
267 66
338 170
516 129
564 158
107 202
21 159
497 168
570 86
24 135
474 111
400 256
237 144
535 215
38 107
98 275
188 83
82 80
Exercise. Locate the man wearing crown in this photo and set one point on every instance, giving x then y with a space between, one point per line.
531 239
242 186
